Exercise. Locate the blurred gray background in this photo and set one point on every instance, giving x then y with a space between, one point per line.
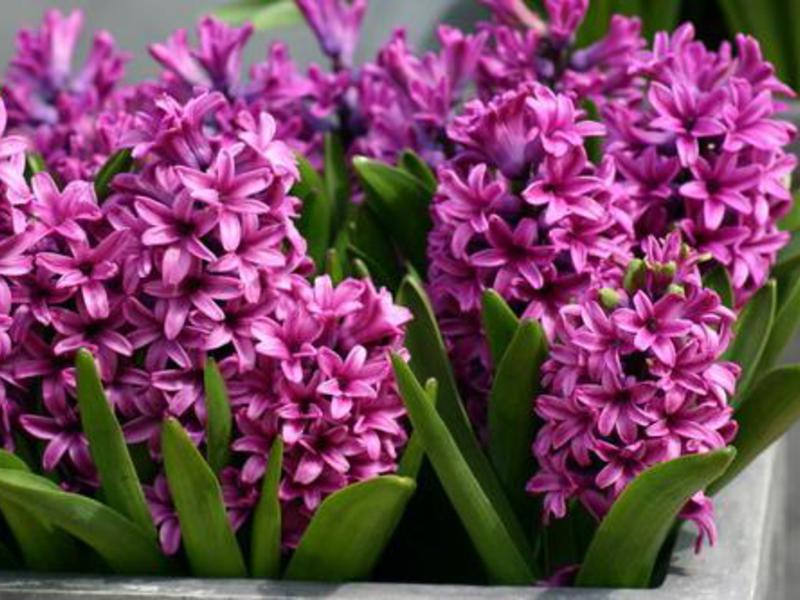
136 23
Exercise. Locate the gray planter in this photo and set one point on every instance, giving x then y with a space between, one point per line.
747 563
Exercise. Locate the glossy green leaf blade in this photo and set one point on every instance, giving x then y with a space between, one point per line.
119 162
785 324
317 211
752 332
122 544
43 547
337 179
265 543
414 452
496 545
370 242
350 530
118 478
499 322
767 412
208 538
34 163
401 203
512 423
264 14
414 165
219 421
791 222
625 547
429 360
717 279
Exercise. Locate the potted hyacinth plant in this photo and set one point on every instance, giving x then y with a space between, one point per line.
509 312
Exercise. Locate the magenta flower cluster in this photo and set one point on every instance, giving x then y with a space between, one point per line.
635 377
379 109
522 48
522 210
194 255
72 117
700 149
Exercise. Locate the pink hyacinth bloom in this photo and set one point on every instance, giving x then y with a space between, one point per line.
632 382
698 144
337 24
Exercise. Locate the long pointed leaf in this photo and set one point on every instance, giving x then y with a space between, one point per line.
118 478
414 165
43 547
119 162
414 452
337 179
317 213
766 413
429 360
265 544
512 423
219 421
753 328
208 538
786 321
494 542
625 547
126 548
401 203
350 530
499 322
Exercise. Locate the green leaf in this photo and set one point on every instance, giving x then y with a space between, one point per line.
334 266
766 413
789 256
625 547
787 318
752 332
401 203
429 360
263 14
119 162
414 453
512 423
219 421
369 242
34 163
496 544
337 178
791 222
350 530
122 544
499 322
207 535
717 279
414 165
118 478
265 542
317 212
43 547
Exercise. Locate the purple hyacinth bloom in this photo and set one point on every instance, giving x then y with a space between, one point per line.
337 25
520 209
524 48
699 144
633 381
323 382
57 108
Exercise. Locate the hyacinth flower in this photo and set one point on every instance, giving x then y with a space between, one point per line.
523 211
56 107
524 47
709 160
635 377
194 256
